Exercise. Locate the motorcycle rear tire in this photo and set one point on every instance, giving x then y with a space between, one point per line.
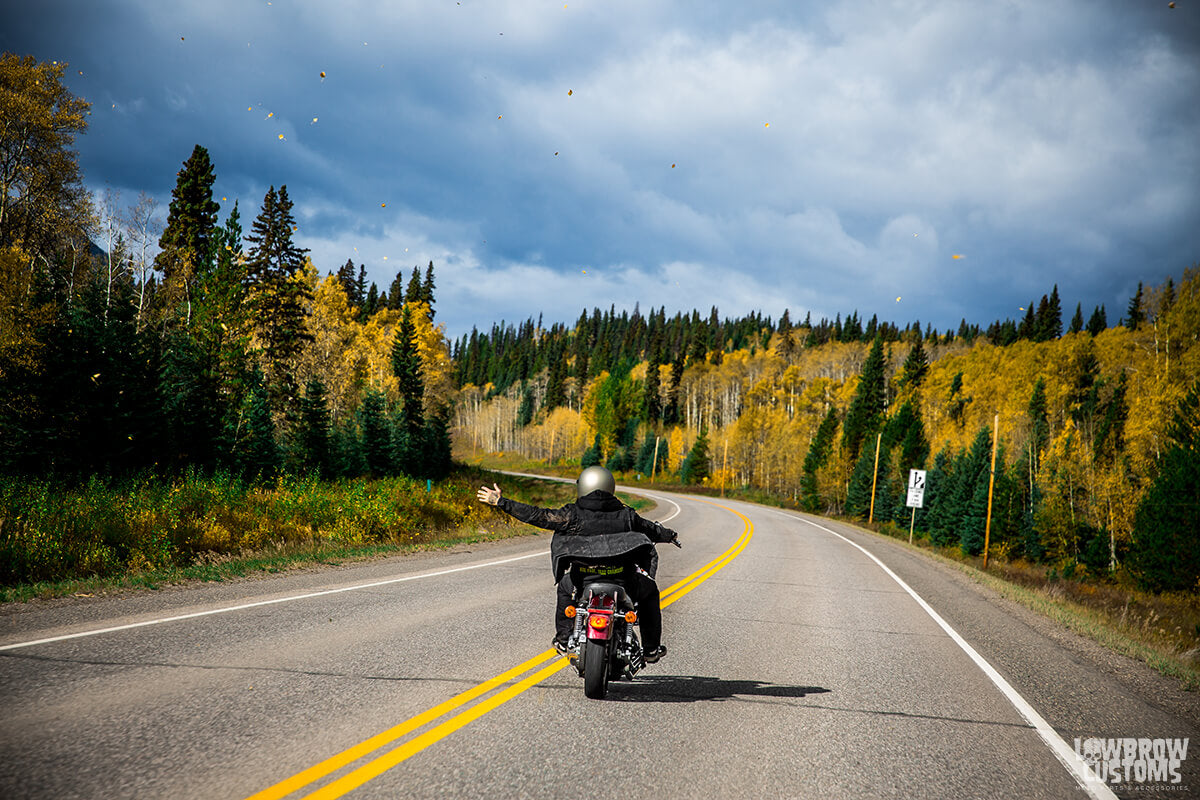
595 670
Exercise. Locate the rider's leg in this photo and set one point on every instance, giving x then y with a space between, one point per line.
649 612
563 625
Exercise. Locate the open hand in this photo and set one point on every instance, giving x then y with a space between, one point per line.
489 496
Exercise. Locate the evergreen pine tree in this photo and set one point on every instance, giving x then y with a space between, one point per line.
695 467
372 303
591 456
939 489
412 294
376 434
346 452
645 457
916 365
1039 423
858 493
277 300
818 454
188 242
1049 318
437 461
651 402
556 394
394 298
254 453
1136 314
347 278
1098 322
315 430
865 415
427 287
525 410
1029 324
1109 437
1165 555
406 366
1077 320
975 516
973 469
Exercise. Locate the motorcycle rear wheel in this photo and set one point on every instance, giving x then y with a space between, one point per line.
595 669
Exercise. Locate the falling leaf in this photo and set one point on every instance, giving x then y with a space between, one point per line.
672 166
281 136
555 152
897 299
1170 5
181 38
500 117
766 124
97 375
270 114
295 228
313 122
385 258
570 92
584 271
956 256
249 108
383 205
322 75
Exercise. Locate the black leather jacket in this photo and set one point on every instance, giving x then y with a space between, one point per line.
594 528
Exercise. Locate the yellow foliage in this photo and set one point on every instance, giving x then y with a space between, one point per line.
434 352
675 452
333 329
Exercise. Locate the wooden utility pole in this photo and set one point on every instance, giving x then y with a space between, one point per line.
874 477
987 528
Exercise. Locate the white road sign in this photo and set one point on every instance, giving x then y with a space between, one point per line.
916 488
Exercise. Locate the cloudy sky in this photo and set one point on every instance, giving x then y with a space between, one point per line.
553 156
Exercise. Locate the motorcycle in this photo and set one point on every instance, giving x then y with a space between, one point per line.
603 645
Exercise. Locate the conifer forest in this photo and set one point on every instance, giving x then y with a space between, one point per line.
201 340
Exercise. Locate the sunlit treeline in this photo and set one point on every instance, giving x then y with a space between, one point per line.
1086 420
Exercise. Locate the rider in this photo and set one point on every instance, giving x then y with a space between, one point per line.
597 513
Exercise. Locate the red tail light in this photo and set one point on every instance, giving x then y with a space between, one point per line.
598 621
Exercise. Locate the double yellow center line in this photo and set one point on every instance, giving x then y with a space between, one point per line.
380 764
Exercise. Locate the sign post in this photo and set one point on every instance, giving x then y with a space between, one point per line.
916 497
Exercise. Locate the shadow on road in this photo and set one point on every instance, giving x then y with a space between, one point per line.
694 688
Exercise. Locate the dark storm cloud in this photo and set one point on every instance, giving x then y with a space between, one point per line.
826 157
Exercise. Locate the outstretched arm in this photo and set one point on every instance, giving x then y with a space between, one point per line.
548 518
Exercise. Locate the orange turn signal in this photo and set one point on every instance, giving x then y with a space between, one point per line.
570 611
631 616
598 621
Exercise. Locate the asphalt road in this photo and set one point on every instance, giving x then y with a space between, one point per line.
798 666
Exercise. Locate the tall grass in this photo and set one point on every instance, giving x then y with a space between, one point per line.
110 527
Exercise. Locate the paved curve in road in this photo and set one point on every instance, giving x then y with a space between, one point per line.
807 658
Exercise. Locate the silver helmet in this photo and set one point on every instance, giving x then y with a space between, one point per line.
594 478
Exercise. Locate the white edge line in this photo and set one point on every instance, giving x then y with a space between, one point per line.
1079 769
245 606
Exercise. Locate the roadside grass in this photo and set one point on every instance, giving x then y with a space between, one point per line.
108 536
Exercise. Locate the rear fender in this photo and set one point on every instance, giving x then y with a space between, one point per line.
599 632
